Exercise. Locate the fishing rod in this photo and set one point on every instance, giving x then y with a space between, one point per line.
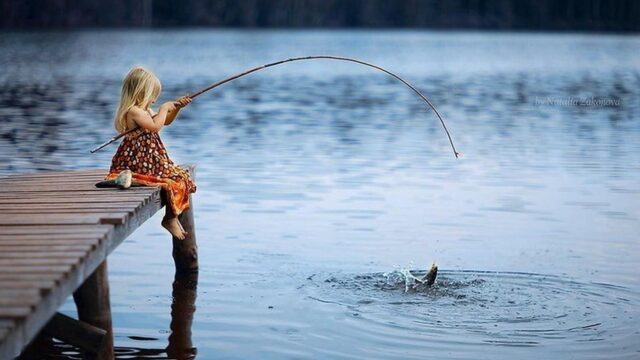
329 57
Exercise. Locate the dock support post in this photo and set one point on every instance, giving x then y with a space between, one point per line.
94 306
185 252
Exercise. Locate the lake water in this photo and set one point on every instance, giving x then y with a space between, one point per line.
320 183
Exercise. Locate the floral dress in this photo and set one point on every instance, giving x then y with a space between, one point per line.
144 154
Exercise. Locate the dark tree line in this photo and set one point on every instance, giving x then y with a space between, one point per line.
581 15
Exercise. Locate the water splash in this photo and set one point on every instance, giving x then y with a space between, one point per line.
413 280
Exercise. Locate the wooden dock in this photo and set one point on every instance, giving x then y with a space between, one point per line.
56 231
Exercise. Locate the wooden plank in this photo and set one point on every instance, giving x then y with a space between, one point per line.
45 180
63 219
49 220
26 277
65 211
17 297
71 203
20 191
96 229
40 269
43 252
54 183
34 206
26 240
72 195
84 188
75 194
40 261
58 178
72 200
32 234
51 239
6 293
44 191
73 186
86 185
112 205
9 312
27 284
54 250
47 240
7 188
51 181
18 301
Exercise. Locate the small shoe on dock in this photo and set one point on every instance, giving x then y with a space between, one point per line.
123 181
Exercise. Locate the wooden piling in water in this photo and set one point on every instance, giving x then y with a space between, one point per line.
94 307
185 252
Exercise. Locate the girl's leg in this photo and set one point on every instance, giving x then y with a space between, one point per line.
179 223
171 223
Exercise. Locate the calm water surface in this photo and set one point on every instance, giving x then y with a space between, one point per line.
320 184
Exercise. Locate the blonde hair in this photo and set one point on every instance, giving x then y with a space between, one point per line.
139 88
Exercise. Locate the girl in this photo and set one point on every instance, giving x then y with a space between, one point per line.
143 153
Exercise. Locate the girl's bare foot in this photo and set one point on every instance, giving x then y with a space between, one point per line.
173 225
185 231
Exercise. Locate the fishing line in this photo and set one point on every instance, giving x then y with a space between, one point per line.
329 57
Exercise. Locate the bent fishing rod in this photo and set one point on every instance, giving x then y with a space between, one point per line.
329 57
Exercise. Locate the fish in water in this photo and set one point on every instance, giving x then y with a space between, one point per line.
430 277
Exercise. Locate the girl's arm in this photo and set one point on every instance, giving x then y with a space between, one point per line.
171 116
180 103
144 119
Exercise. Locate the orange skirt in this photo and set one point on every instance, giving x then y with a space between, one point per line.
177 192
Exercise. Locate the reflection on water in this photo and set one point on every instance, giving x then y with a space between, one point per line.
180 345
182 309
329 168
